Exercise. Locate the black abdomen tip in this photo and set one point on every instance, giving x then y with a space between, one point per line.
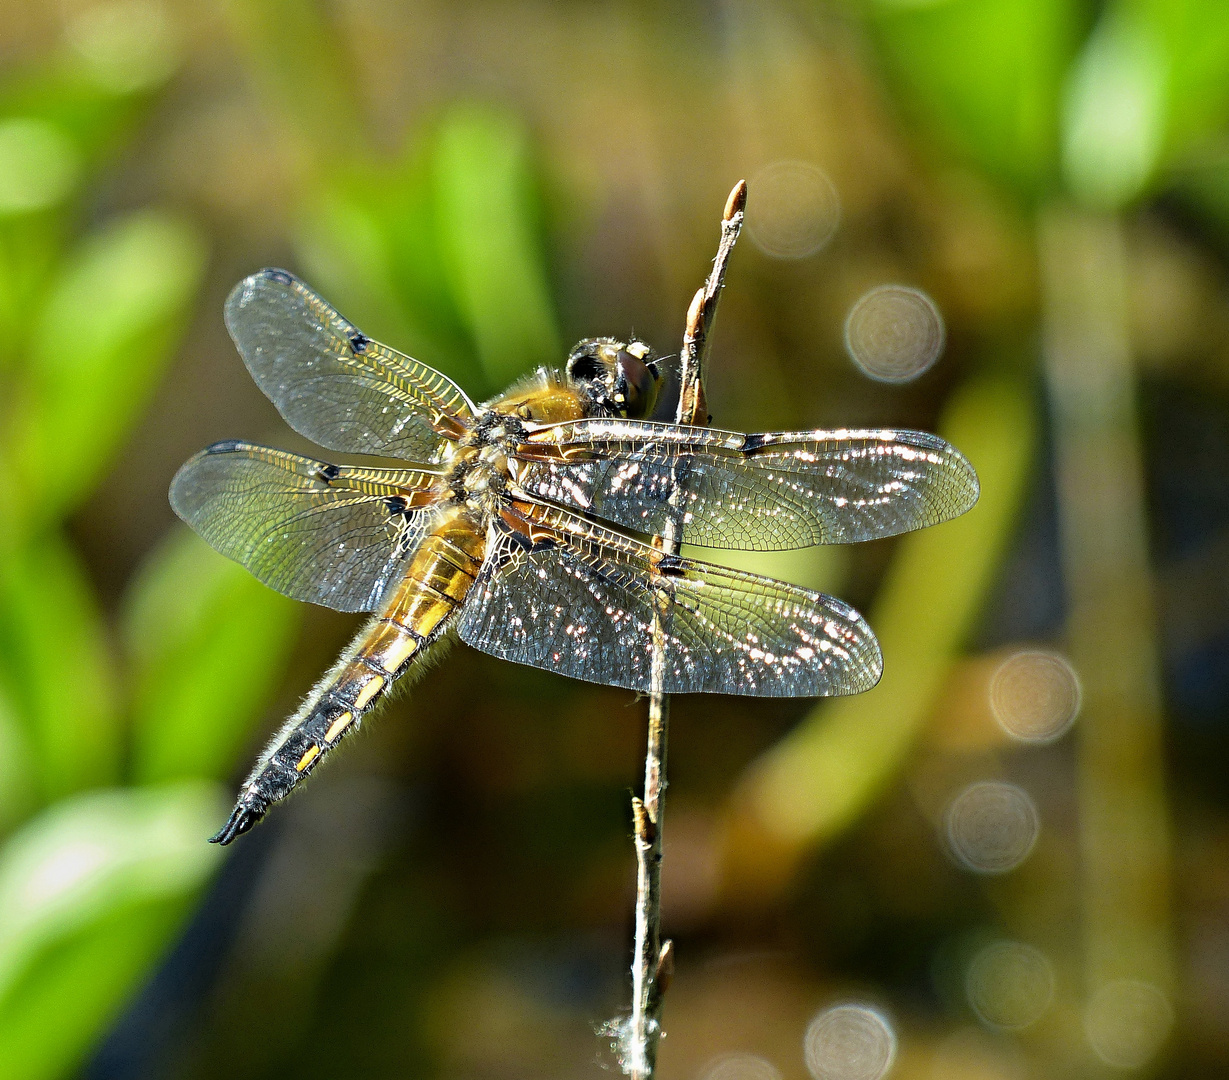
241 819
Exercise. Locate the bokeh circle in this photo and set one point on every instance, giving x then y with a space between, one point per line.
793 209
991 826
849 1042
1035 696
894 333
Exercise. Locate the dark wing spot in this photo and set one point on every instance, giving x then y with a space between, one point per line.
396 504
226 446
358 342
752 443
278 275
327 473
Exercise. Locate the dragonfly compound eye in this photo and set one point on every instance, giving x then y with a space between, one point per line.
637 382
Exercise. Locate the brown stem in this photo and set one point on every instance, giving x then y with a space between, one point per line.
653 959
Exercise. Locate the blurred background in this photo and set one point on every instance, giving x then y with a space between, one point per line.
1003 220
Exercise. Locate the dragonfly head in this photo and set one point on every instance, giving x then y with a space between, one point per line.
616 378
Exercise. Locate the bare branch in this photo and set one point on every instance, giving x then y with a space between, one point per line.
653 959
692 407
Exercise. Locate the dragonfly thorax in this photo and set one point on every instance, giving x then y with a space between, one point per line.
477 466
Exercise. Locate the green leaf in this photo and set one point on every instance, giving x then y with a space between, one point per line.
1193 39
207 643
96 353
343 244
1150 85
39 165
56 667
490 243
91 891
438 253
78 989
986 76
1114 119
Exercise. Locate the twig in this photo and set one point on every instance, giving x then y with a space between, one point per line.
653 959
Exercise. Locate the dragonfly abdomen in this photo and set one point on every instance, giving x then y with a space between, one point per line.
437 580
440 574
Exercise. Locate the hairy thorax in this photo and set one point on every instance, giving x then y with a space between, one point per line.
478 467
477 471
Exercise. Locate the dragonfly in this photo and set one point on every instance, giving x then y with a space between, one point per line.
529 526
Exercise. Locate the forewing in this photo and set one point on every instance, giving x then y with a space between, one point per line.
328 534
763 492
578 599
332 383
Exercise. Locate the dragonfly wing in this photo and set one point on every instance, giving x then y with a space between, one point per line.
327 534
332 383
569 596
765 492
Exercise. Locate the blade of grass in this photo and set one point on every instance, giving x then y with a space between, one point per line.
98 349
482 195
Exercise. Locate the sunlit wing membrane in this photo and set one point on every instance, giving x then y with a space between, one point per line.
332 383
761 492
579 600
331 535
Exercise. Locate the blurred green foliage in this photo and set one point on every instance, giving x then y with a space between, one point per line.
986 76
441 249
1040 95
1050 103
92 887
204 642
114 738
111 762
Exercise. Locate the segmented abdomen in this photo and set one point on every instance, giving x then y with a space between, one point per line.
436 581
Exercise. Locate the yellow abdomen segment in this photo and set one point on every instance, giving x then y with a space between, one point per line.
437 580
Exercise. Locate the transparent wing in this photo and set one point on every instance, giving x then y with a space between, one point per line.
561 593
332 383
328 534
763 492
